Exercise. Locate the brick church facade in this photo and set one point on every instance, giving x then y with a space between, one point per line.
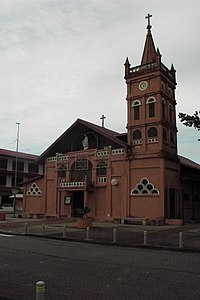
137 174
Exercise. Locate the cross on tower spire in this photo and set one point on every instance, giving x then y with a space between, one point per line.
148 17
102 120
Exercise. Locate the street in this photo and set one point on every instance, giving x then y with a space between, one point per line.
89 271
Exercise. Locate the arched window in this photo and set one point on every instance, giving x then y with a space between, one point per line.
170 113
152 135
163 108
152 132
101 168
137 134
136 109
162 85
151 103
164 134
137 137
81 169
170 91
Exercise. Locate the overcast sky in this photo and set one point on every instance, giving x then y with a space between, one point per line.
64 59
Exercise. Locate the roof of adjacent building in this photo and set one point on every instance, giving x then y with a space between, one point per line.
188 163
10 153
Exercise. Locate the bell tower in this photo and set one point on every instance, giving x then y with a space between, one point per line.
151 117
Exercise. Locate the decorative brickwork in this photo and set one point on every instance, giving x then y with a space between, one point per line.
34 190
145 187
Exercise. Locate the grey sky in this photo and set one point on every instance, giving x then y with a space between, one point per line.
63 59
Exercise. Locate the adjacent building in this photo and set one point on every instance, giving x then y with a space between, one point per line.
27 167
136 174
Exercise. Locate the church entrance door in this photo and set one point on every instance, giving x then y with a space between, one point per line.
78 202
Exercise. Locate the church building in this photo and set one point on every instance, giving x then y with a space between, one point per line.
137 174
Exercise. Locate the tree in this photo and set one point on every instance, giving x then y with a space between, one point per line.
190 120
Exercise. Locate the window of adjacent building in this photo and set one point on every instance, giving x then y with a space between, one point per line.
3 163
20 165
163 108
151 104
152 132
19 179
136 109
3 179
32 168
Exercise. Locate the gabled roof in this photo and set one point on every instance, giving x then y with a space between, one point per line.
64 142
32 179
21 155
189 163
98 128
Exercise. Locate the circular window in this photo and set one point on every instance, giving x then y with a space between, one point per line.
145 181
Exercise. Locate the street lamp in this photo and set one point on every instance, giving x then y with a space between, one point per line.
16 161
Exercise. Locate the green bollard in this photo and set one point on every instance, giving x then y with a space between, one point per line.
40 290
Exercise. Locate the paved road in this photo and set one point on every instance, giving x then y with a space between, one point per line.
89 271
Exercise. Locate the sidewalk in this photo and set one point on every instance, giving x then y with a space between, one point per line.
164 236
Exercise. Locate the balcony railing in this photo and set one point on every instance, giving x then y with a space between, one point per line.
78 184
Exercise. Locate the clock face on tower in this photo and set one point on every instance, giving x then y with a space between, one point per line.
143 85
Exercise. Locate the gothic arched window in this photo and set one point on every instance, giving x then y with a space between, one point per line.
163 108
170 113
152 132
137 134
170 91
151 103
162 85
136 109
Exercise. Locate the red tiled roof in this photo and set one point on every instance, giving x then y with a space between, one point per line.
22 155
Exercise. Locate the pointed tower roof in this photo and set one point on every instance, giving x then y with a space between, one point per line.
149 52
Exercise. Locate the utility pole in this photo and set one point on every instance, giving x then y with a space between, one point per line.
16 162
